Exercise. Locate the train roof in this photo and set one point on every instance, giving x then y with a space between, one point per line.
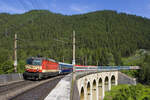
65 64
42 58
84 66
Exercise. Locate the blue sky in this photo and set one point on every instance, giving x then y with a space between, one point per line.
69 7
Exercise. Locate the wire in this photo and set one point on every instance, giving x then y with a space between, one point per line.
60 41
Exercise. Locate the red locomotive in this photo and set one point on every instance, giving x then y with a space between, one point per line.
38 68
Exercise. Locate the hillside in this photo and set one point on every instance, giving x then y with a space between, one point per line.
128 92
102 37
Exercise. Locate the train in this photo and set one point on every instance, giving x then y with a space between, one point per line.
39 67
104 68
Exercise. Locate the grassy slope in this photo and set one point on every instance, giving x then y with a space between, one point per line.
128 92
134 60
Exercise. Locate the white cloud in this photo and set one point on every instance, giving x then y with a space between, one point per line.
79 8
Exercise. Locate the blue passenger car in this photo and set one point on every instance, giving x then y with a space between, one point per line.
65 68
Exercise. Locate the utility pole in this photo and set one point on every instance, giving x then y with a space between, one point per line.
74 70
73 61
63 59
15 53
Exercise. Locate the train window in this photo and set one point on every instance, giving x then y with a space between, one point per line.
36 62
29 61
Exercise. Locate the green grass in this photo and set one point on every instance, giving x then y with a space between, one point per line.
128 92
135 59
131 73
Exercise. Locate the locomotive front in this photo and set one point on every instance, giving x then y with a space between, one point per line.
33 68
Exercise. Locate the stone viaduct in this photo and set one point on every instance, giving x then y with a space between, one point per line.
89 85
93 86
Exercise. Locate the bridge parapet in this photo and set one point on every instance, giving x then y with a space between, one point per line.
85 73
63 90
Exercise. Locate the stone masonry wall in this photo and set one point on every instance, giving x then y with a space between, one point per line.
124 79
7 78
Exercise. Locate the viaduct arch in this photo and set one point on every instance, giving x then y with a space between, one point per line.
93 86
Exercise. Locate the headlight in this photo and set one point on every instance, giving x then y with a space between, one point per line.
37 69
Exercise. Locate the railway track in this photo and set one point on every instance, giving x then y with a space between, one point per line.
28 90
5 89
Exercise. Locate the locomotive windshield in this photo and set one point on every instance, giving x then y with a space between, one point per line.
34 61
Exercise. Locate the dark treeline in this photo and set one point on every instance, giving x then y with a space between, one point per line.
102 37
143 75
